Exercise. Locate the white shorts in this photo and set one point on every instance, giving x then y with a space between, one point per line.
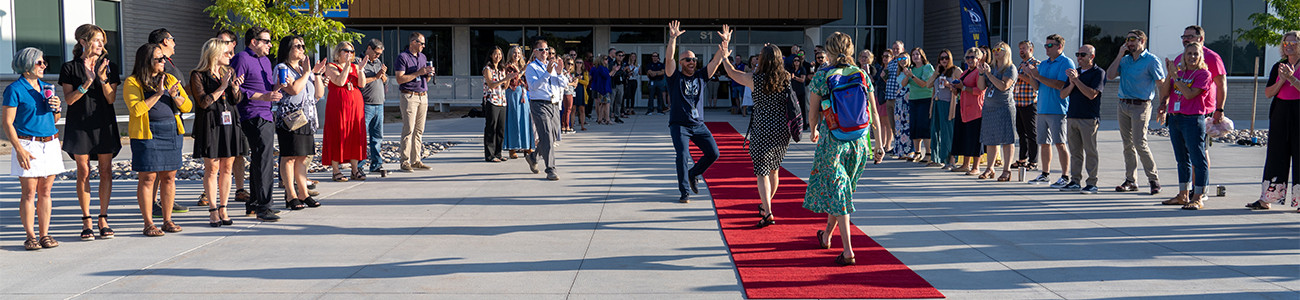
47 159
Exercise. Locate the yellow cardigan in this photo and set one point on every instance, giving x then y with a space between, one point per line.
138 125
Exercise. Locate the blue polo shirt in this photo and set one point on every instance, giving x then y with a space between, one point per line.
1138 77
1049 99
33 116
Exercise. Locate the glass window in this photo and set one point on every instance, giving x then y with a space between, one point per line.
106 17
1105 27
638 35
390 47
780 37
879 11
564 39
483 39
1224 17
39 24
699 35
437 46
851 14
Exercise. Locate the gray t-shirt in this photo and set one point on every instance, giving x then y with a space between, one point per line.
373 93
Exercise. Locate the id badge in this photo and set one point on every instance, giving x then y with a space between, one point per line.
1178 106
226 119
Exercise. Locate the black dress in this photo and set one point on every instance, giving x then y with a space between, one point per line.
213 137
769 134
91 122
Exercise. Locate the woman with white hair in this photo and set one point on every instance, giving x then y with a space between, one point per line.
30 109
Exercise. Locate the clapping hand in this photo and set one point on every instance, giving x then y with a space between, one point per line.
1072 74
1171 66
1285 69
675 29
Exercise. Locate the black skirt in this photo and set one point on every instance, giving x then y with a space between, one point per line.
293 143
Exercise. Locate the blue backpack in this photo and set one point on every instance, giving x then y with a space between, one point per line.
846 111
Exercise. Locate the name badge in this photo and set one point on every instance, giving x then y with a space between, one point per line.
1178 106
226 119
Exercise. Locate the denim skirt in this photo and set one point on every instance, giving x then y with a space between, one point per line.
162 152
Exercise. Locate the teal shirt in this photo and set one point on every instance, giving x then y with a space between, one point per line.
1138 78
916 91
1049 99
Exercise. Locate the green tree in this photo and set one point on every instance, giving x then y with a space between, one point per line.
1269 27
280 17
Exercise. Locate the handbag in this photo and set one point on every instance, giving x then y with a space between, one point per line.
294 119
793 115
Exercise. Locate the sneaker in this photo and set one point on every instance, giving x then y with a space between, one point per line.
1155 187
1071 187
684 199
420 166
1090 189
406 168
552 177
268 216
532 166
1127 186
1060 183
1041 179
648 113
203 200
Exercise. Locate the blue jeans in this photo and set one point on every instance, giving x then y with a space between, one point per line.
375 129
657 102
682 136
1187 134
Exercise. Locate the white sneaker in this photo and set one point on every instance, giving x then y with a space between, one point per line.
1041 179
1060 183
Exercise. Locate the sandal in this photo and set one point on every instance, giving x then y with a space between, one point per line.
961 169
1258 205
845 261
105 232
338 177
1018 164
988 174
827 243
358 175
1032 166
213 223
879 155
294 204
153 231
310 202
972 172
1176 200
1006 176
171 227
86 233
48 242
226 221
767 220
31 244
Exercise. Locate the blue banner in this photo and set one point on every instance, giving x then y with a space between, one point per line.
974 27
337 12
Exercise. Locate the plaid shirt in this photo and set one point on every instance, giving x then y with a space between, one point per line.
894 89
1026 94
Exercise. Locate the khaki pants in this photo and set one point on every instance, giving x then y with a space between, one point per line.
1081 135
1133 120
414 109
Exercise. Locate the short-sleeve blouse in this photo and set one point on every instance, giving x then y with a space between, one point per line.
494 95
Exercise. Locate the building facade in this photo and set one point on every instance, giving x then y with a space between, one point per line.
461 33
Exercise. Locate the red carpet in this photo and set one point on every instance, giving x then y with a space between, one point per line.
784 260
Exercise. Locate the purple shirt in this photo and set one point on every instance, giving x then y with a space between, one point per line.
408 63
258 79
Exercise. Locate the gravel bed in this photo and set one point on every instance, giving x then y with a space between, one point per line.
1231 138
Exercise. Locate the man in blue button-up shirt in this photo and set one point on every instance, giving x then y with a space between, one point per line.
544 85
1139 74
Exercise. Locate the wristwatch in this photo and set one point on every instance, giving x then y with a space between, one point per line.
1218 110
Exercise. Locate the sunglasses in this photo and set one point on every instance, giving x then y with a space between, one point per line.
40 63
542 49
1081 54
971 57
996 49
159 60
1289 44
262 40
1051 45
1189 36
1131 38
943 58
347 51
299 46
688 59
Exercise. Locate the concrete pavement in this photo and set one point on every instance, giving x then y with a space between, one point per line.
612 228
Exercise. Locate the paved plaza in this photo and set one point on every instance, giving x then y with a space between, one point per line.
612 228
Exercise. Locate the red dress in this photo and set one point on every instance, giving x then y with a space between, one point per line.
345 129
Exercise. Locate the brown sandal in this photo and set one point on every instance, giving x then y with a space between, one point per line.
845 261
48 242
153 231
988 174
31 244
1176 200
824 245
1006 176
171 227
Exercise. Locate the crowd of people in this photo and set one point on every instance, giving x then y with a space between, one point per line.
938 113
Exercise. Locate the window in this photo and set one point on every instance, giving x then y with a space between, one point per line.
779 37
638 35
390 46
864 20
39 24
999 21
483 39
437 46
1105 26
564 39
106 17
1221 19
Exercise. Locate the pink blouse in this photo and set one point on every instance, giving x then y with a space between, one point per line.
972 98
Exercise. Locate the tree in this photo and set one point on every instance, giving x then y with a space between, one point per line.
280 17
1269 27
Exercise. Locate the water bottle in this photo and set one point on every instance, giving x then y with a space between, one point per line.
284 75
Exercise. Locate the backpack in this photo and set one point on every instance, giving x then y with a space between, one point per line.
846 111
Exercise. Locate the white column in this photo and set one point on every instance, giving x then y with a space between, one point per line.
75 13
6 36
1047 17
1168 18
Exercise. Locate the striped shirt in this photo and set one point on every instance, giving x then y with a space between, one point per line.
1025 93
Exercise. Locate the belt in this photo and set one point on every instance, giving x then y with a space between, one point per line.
1134 101
415 93
542 100
43 139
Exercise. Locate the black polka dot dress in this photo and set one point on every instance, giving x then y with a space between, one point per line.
769 136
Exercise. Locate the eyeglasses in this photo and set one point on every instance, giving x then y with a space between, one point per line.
688 59
418 43
159 60
1189 36
262 40
943 58
1081 54
1051 45
1131 38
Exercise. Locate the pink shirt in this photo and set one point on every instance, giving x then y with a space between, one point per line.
972 98
1215 64
1288 93
1201 104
